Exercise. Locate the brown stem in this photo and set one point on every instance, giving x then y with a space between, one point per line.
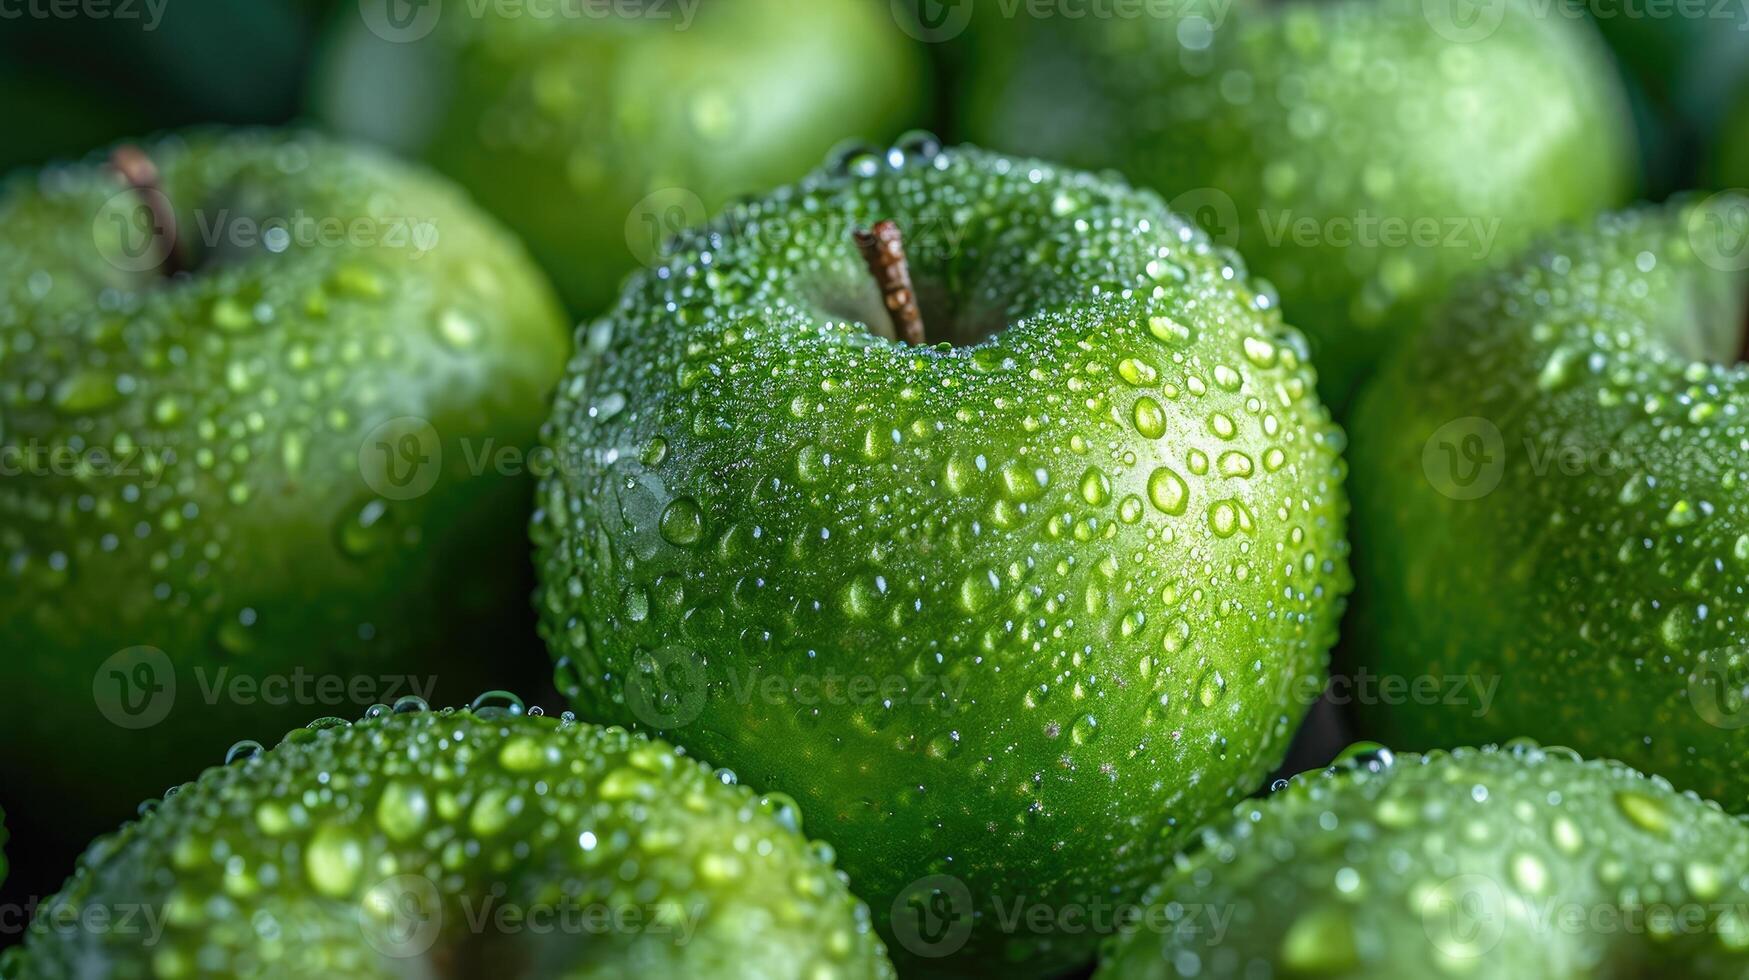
883 248
141 174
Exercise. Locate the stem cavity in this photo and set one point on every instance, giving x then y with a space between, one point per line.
883 248
141 174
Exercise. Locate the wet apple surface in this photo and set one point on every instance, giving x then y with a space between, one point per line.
1009 612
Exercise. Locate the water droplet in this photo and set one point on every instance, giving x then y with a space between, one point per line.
1211 687
1320 941
682 523
86 390
1150 420
1095 487
494 704
1168 491
333 860
1643 811
402 810
243 751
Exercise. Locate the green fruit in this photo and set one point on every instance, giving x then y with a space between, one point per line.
1015 611
598 137
267 485
1549 500
458 843
1520 864
1362 154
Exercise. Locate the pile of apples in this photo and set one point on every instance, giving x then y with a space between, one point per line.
934 549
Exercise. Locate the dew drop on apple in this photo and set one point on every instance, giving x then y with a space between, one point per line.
243 751
1320 941
234 635
1137 372
1643 811
1149 418
365 531
1130 509
856 160
86 390
1095 486
1170 331
1210 687
1168 491
682 522
458 329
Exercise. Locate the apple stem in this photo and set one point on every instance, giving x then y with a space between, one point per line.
883 248
141 174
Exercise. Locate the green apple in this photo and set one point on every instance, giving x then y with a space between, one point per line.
1547 491
1512 864
596 136
1362 154
485 842
268 483
1009 612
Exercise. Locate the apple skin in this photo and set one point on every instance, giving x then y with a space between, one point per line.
1022 613
564 128
1517 863
1387 119
373 847
1548 498
230 509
